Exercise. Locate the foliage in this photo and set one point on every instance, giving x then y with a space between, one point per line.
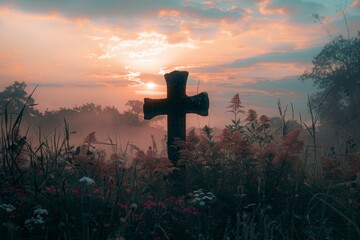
14 97
336 74
235 108
134 115
238 185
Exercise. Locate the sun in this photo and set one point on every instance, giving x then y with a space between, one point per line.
150 85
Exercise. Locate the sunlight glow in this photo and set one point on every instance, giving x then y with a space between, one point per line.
150 85
146 51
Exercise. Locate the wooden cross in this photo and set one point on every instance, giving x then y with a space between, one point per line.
176 106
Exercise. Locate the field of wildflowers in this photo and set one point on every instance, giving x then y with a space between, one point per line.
249 182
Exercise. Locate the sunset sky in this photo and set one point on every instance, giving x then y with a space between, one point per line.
111 51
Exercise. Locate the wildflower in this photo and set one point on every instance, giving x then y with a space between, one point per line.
40 211
51 189
252 116
7 207
90 139
36 221
264 120
202 198
123 206
133 206
235 105
32 222
87 180
291 142
198 191
76 192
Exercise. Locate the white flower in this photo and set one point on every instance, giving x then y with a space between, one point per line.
40 211
86 180
30 223
200 191
133 206
7 207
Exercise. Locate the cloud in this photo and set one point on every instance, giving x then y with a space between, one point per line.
300 56
296 10
355 4
291 84
146 44
90 8
290 87
177 18
106 75
47 85
230 15
118 8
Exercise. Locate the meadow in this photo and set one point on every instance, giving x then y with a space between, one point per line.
251 181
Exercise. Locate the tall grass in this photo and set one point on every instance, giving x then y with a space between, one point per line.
238 185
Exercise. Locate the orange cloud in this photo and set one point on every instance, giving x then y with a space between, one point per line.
209 3
105 84
355 3
168 13
263 8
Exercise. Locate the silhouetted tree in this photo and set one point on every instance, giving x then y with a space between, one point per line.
89 108
134 115
14 98
136 106
336 74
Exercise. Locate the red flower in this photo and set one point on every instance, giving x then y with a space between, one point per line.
51 189
76 192
124 206
291 143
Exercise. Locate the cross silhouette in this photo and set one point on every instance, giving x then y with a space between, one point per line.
176 106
